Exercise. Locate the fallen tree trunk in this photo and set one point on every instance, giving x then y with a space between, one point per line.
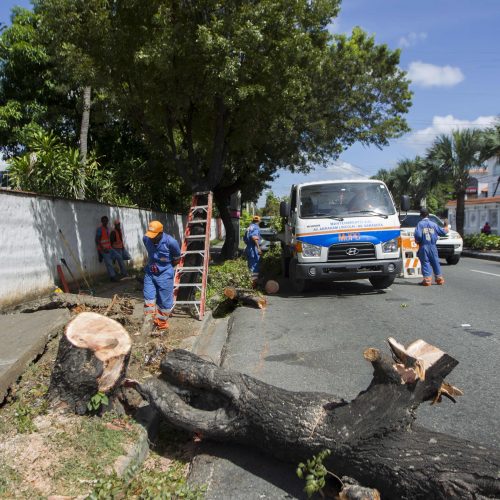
92 357
246 297
372 438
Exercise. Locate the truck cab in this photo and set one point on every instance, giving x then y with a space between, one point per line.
341 230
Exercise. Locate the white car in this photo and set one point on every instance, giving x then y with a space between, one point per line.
449 246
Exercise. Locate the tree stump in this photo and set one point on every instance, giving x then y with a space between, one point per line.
92 357
372 438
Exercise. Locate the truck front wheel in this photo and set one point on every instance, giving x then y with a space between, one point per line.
382 282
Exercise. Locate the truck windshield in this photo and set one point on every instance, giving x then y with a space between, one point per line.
345 199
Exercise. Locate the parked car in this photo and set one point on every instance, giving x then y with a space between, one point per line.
449 247
267 232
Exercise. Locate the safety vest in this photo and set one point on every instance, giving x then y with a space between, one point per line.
118 243
104 243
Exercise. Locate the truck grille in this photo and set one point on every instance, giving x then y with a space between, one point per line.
351 251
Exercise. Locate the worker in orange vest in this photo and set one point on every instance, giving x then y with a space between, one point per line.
107 252
116 238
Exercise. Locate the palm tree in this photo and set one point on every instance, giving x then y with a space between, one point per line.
455 155
414 177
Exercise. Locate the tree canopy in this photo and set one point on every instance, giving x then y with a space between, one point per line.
216 94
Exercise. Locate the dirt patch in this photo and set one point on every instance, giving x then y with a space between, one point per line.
47 451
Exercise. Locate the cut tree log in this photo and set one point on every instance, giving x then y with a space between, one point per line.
246 297
92 357
372 438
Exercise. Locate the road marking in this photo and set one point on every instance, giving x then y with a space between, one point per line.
484 272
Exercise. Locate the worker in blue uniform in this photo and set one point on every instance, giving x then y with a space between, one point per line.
253 252
163 255
426 235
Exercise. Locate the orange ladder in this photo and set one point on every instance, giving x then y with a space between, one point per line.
192 271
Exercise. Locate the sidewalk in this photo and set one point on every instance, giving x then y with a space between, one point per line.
476 254
23 337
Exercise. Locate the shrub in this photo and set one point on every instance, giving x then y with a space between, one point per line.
482 242
230 273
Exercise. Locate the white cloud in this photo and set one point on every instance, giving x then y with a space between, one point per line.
342 170
412 39
430 75
445 125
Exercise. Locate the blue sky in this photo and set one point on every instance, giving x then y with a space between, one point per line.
451 49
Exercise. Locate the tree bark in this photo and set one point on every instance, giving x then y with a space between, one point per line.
246 297
71 300
460 212
92 357
372 438
230 248
84 134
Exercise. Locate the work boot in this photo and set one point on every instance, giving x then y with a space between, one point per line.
114 279
439 280
160 327
427 281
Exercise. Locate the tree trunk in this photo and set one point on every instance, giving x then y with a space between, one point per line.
92 357
460 212
372 438
84 133
230 247
246 297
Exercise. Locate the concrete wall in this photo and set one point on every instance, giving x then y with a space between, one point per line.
31 245
477 212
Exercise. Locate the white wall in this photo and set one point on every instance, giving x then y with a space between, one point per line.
476 215
31 245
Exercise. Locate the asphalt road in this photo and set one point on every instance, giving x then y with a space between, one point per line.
315 342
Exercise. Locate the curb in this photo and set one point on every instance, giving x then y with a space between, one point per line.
208 344
481 255
127 465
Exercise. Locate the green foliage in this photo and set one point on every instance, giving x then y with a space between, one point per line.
482 242
245 221
147 485
24 418
270 266
50 167
314 473
272 206
230 273
97 400
226 93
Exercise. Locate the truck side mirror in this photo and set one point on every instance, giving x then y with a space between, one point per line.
284 209
405 203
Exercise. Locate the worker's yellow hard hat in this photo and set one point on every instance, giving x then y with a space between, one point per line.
155 227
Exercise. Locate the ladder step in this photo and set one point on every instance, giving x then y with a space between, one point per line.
189 269
197 221
188 301
199 207
190 252
195 237
188 284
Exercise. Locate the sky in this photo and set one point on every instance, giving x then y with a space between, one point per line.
451 51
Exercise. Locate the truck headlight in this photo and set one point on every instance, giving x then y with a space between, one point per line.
309 250
390 246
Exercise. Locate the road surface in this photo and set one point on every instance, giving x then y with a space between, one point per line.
315 342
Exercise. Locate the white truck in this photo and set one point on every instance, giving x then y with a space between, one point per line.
341 230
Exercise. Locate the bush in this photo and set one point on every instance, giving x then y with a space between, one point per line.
482 242
230 273
270 266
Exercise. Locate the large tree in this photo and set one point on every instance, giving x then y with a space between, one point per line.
224 93
455 155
